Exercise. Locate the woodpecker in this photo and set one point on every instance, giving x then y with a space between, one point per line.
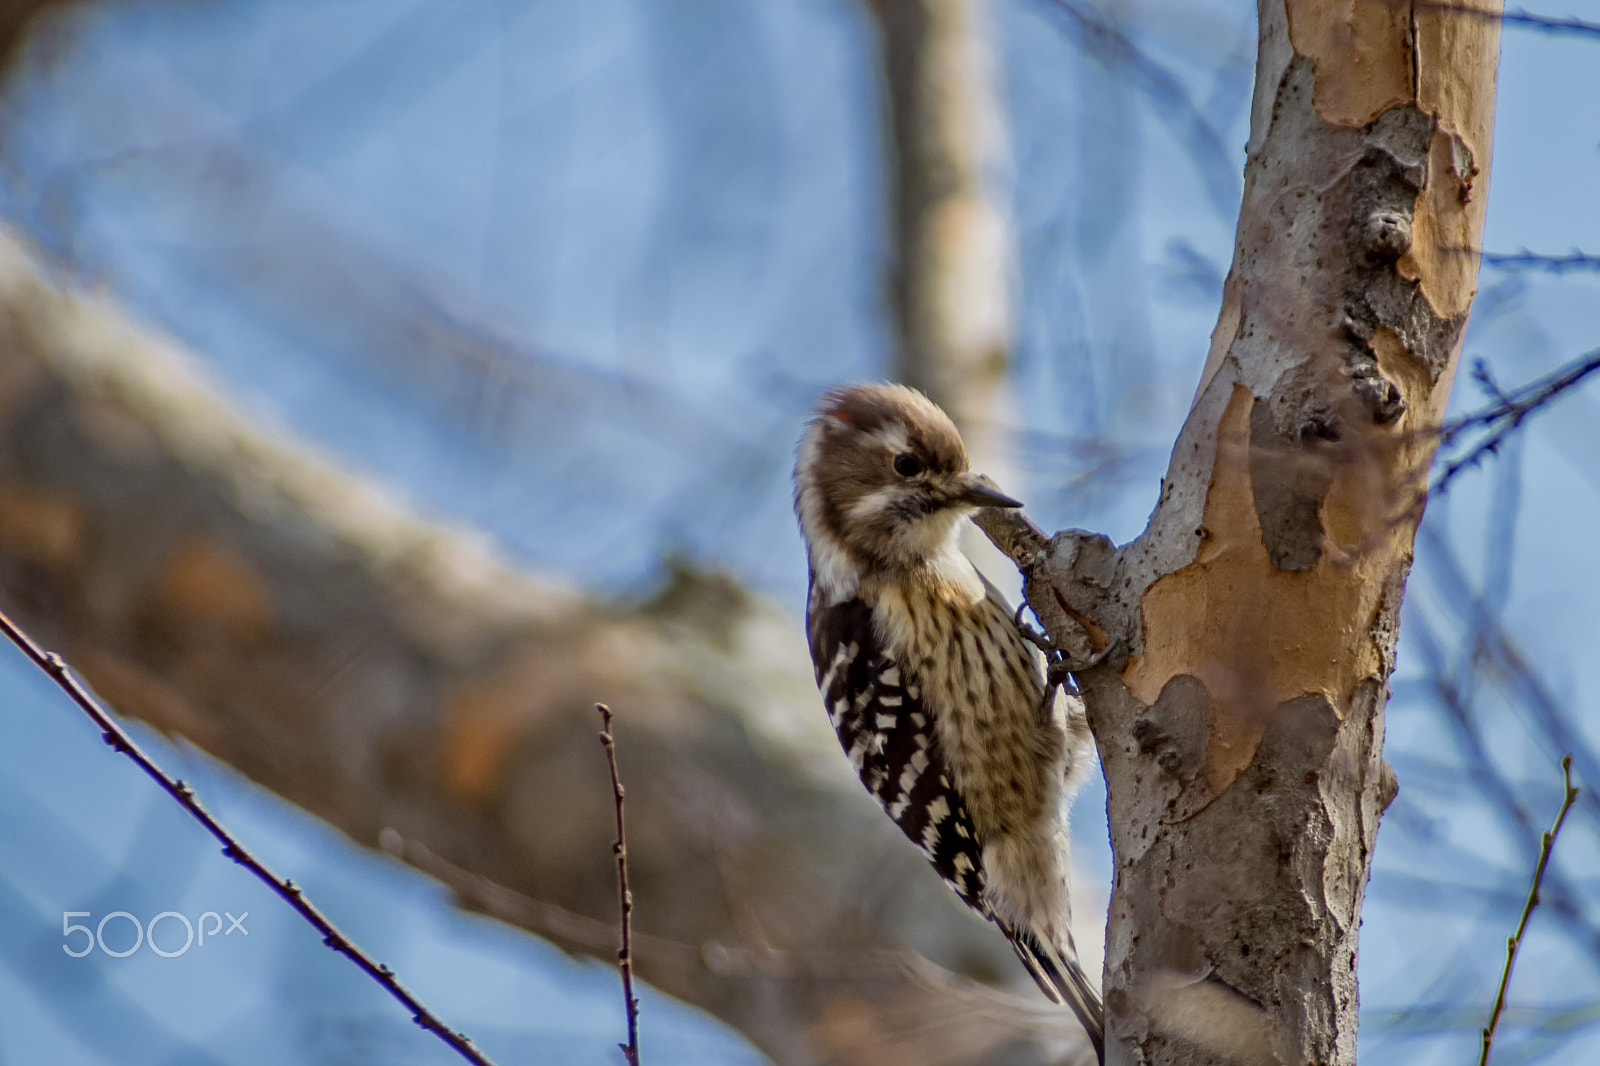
940 703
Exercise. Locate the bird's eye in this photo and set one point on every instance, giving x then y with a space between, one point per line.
907 465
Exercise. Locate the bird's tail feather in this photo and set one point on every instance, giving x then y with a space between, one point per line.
1062 980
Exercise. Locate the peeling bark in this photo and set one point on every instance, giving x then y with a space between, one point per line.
1252 625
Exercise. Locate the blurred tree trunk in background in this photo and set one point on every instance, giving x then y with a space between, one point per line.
953 275
953 268
17 19
1240 715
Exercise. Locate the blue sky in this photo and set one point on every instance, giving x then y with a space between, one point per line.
670 214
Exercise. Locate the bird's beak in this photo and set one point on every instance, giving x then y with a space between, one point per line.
979 491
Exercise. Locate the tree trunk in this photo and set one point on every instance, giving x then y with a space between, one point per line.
1251 628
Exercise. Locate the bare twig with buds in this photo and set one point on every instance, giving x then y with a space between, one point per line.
630 1050
1547 844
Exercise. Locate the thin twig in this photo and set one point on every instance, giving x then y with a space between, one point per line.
1498 421
1519 17
1552 264
630 1050
1551 24
1546 846
115 736
1506 415
1524 399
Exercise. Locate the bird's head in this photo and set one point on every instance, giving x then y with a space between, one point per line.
882 479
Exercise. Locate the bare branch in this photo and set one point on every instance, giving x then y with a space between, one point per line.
630 1050
1551 264
1551 24
291 893
1014 534
1546 846
1505 416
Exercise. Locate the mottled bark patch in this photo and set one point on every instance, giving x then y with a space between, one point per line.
1248 902
1350 198
1288 479
1383 187
1177 727
1083 572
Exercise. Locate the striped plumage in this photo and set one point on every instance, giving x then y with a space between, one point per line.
889 738
937 700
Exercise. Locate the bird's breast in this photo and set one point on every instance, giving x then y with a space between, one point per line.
984 691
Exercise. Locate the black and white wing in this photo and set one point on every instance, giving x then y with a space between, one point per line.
887 733
889 737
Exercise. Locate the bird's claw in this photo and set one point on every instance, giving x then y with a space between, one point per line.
1058 666
1078 666
1033 636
